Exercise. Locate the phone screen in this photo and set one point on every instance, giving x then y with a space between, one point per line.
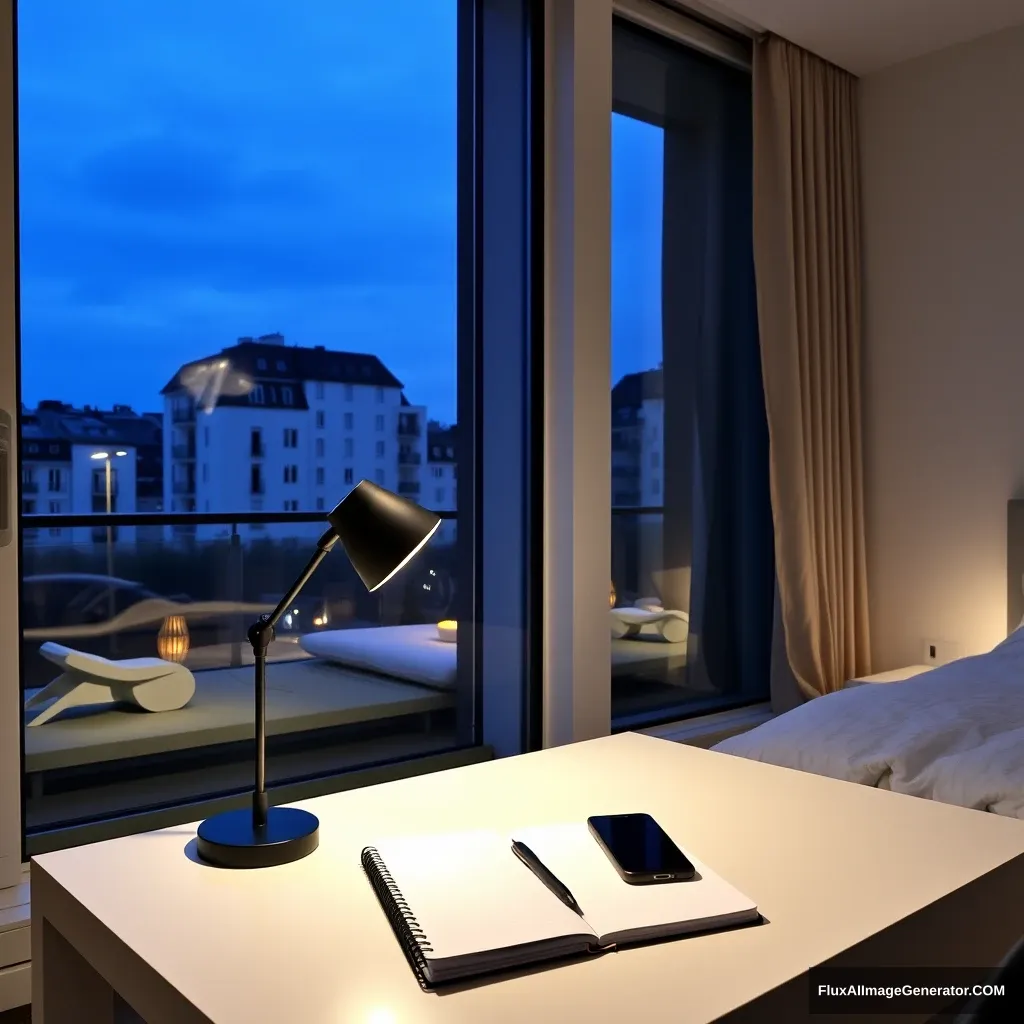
640 846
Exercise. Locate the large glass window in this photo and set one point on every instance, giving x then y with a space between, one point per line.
238 233
692 554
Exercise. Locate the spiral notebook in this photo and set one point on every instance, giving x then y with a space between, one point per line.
462 904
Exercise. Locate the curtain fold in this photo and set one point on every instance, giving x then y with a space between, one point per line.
807 255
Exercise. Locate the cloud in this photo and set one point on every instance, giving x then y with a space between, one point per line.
182 161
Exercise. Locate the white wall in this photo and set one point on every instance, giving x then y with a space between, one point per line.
943 180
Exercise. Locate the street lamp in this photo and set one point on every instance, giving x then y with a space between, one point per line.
105 456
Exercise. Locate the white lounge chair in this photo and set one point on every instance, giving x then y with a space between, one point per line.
149 683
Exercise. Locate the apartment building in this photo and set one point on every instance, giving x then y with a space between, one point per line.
638 448
64 471
267 427
440 488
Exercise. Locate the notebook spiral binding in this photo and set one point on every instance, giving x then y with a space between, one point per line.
410 935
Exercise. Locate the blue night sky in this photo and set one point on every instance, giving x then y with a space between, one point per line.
196 170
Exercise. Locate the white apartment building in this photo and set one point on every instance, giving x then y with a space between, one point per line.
638 443
62 473
267 427
440 488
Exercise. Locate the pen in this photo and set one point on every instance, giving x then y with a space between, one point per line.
532 861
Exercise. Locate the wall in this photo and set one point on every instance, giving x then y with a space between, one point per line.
943 180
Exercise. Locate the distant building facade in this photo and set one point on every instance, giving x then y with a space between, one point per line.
440 488
638 443
60 474
267 427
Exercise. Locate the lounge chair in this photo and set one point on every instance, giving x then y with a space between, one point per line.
148 683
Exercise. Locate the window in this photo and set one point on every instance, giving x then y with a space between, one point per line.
28 506
319 476
54 508
681 172
319 447
380 449
291 437
320 419
55 480
319 504
379 423
145 240
438 471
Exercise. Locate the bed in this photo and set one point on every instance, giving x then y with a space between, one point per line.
414 653
954 734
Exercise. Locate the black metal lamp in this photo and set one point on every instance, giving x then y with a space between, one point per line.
380 532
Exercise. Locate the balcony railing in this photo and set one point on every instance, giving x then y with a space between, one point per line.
183 415
408 488
409 458
183 487
183 451
408 429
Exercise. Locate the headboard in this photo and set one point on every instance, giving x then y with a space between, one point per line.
1014 563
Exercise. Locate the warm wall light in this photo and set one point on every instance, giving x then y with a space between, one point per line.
612 595
447 629
172 642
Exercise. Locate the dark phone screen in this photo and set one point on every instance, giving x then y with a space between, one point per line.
639 845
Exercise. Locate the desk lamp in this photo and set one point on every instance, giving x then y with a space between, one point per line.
380 533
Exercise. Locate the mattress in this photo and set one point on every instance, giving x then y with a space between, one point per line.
415 654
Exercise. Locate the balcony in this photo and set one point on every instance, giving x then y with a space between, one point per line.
99 488
181 414
184 487
409 458
409 489
29 486
408 428
184 451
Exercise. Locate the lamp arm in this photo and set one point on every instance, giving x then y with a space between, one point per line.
262 631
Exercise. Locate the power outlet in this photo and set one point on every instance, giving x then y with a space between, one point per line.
939 652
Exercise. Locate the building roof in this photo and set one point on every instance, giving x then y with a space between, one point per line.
52 427
268 360
441 443
632 389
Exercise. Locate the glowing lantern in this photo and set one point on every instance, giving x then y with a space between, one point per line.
172 640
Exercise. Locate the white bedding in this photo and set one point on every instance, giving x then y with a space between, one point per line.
415 654
955 734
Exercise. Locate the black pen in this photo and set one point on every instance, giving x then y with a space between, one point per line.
532 861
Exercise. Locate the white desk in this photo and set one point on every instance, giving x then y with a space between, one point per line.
839 871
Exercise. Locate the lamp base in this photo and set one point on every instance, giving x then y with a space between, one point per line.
231 840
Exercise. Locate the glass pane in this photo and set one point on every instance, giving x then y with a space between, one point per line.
191 172
340 690
692 555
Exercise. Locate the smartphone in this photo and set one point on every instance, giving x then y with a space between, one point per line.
640 849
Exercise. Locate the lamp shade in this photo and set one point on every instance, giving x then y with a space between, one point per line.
380 531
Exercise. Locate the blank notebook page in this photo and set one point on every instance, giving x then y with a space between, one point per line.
469 893
614 908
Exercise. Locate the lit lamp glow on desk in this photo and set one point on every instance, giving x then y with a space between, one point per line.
380 533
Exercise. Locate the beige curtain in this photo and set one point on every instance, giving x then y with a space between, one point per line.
807 255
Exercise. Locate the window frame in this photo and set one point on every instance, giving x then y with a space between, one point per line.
492 34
